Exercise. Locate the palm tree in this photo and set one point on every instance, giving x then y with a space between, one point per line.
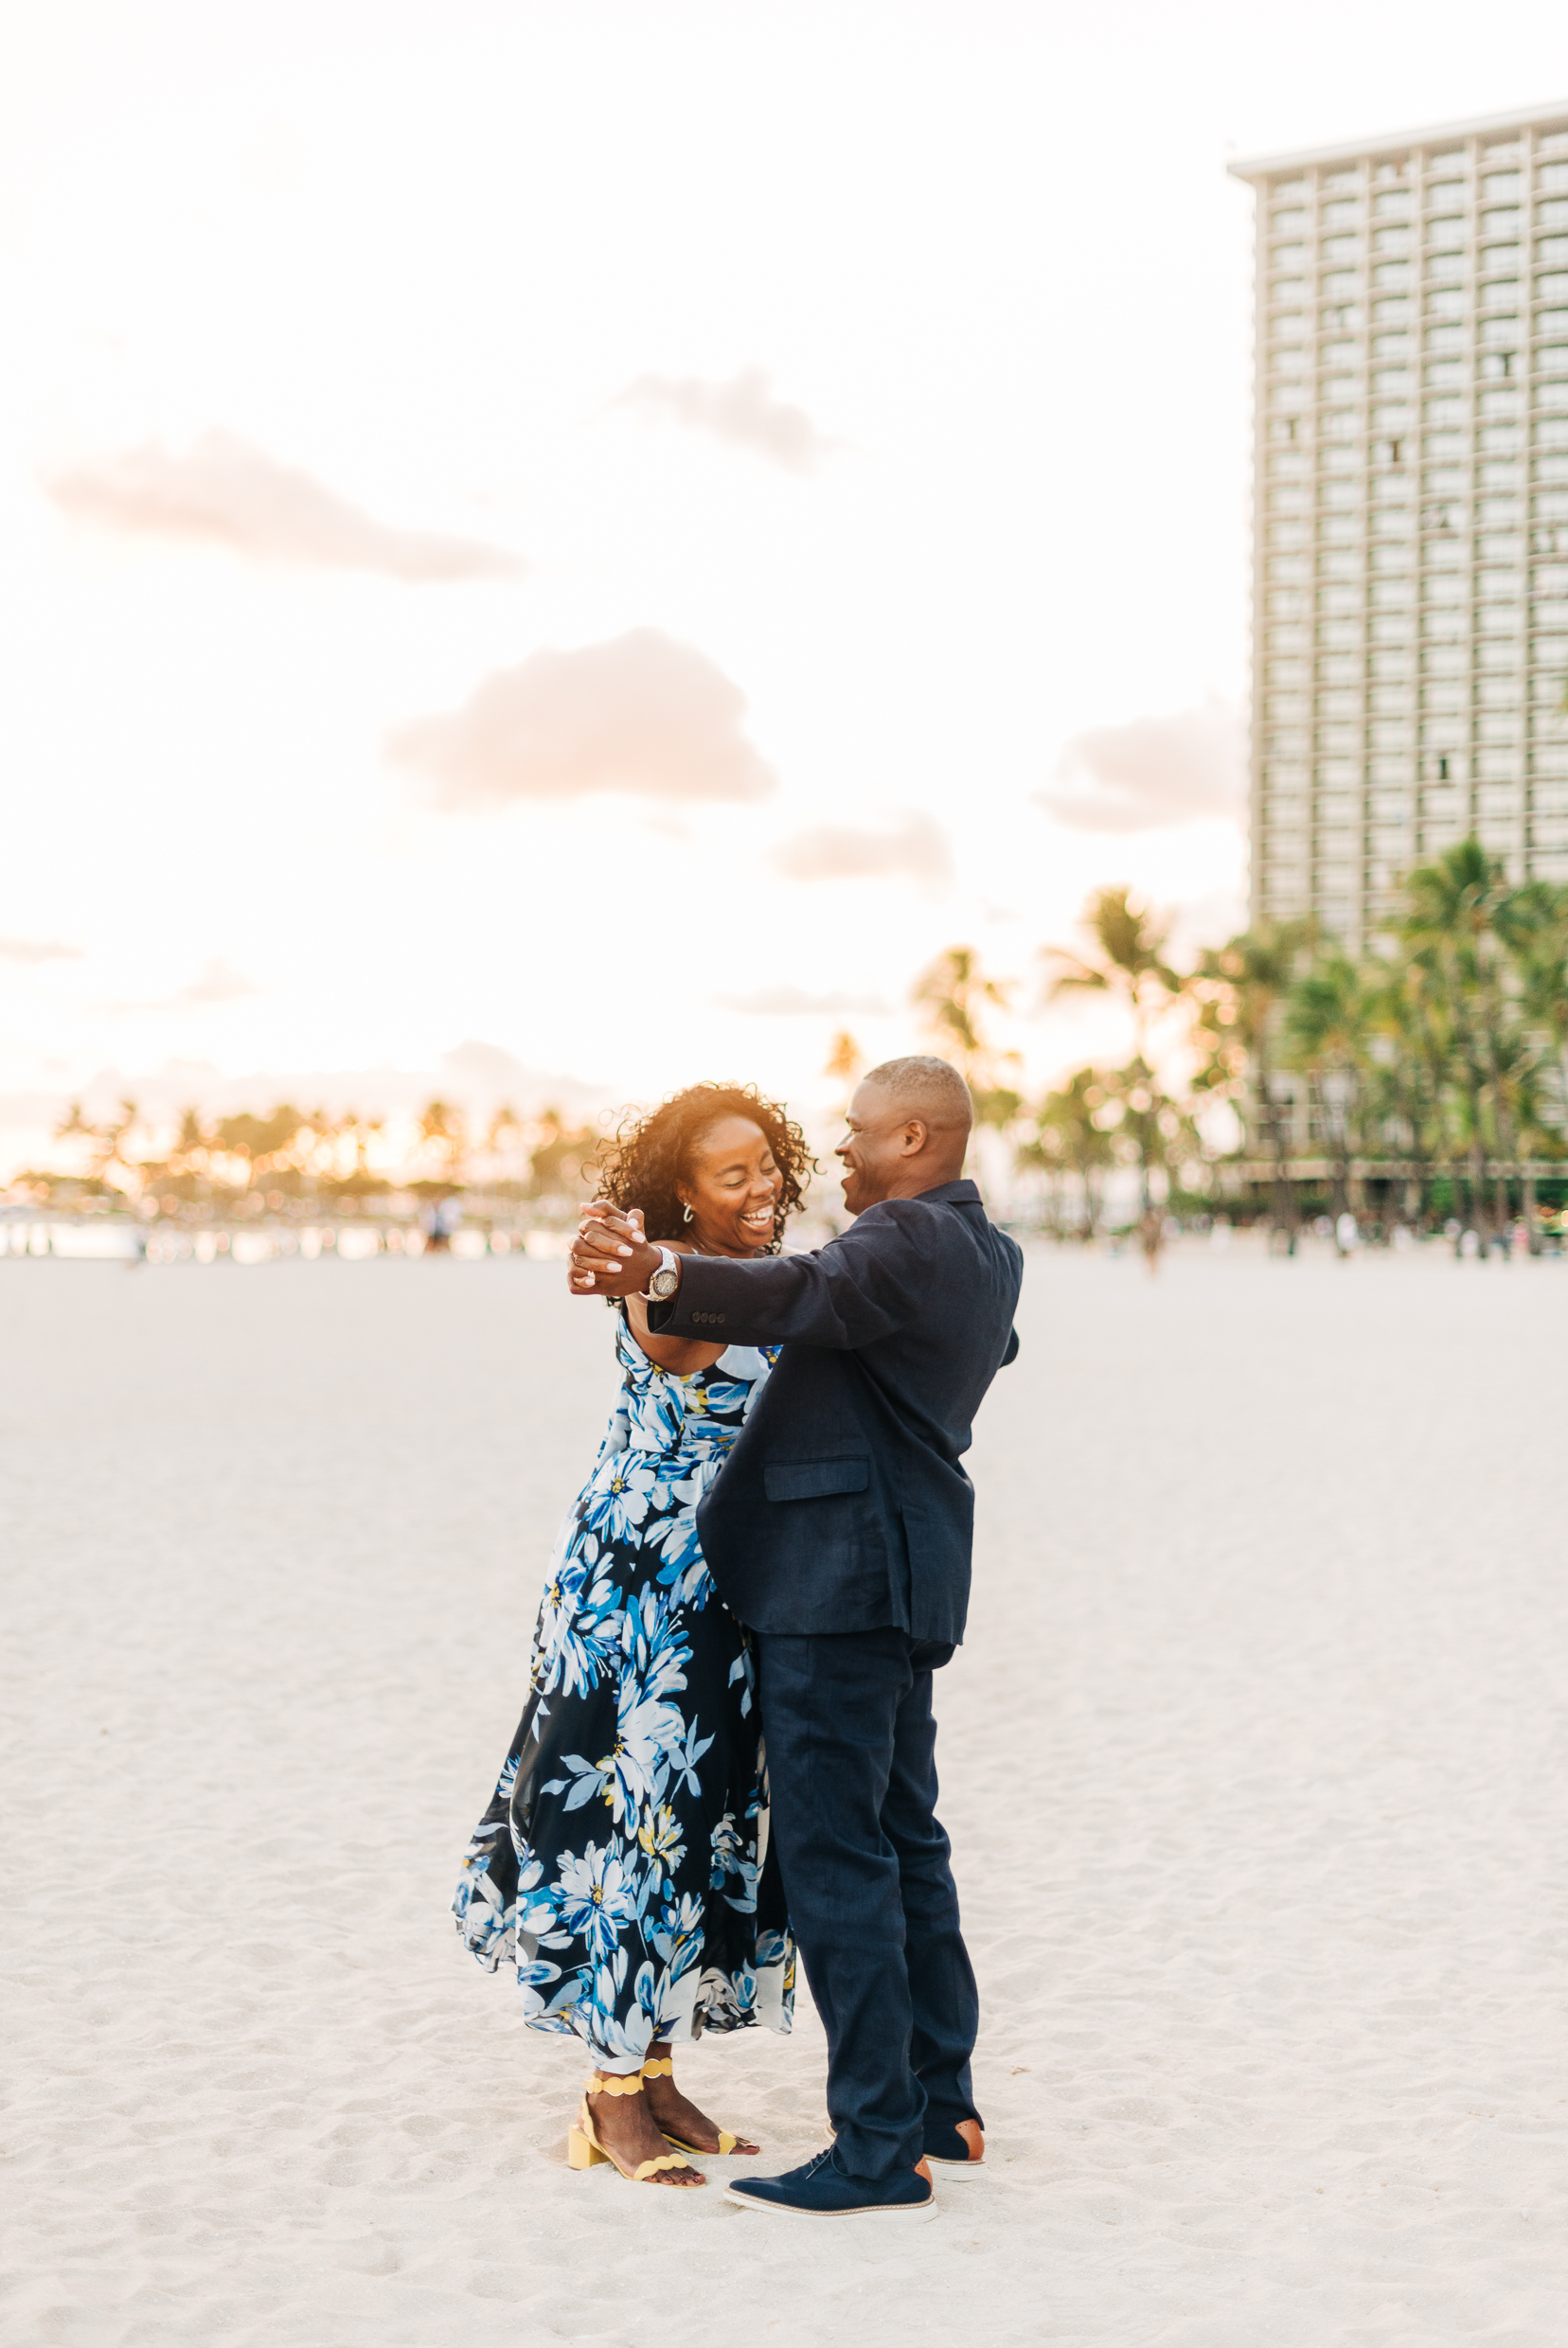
366 1130
561 1155
1533 924
845 1059
1069 1137
106 1142
262 1143
1044 1152
1454 908
1433 1018
1328 1025
1154 1130
955 994
504 1146
1129 965
442 1132
1239 989
74 1125
193 1142
359 1134
1518 1070
1411 1051
956 997
1530 1055
843 1063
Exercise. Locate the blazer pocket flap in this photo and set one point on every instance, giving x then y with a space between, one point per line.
814 1479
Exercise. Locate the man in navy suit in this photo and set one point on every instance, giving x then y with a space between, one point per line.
840 1530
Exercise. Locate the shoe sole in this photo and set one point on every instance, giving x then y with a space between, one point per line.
867 2209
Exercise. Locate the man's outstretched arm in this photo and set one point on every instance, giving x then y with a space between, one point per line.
842 1296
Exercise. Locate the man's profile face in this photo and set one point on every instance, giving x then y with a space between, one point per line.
875 1147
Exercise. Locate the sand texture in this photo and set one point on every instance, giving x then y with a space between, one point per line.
1253 1763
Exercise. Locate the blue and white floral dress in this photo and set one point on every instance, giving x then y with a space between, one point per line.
622 1863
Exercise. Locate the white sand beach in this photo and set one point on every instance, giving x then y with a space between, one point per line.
1253 1763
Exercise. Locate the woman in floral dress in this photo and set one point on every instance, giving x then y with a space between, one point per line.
622 1863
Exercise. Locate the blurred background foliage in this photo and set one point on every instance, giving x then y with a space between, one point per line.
1423 1079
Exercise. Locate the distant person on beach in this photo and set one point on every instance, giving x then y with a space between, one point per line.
439 1221
621 1863
840 1533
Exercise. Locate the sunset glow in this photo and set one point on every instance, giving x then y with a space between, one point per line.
551 552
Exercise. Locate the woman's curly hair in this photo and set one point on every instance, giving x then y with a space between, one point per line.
654 1150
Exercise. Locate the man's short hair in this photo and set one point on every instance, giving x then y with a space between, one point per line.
923 1086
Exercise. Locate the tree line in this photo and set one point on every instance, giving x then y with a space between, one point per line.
1432 1067
1279 1071
290 1154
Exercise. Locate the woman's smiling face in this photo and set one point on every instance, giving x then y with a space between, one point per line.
732 1188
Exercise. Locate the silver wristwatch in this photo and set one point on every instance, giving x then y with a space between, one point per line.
663 1284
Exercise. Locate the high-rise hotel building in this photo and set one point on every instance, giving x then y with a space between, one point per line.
1411 585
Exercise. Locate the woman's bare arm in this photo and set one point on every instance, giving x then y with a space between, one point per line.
680 1355
676 1354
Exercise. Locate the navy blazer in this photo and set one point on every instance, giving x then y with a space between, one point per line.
843 1505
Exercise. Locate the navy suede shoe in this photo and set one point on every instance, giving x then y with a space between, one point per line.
823 2189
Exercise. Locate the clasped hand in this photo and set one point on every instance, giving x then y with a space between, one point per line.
610 1255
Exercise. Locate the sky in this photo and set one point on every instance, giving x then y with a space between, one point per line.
549 551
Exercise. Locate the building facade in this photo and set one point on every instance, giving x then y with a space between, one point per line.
1411 512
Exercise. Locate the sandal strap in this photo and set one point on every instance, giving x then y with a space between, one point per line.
644 2169
659 2070
618 2083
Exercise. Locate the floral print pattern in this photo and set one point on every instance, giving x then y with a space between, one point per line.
622 1866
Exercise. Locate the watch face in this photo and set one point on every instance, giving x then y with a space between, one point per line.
663 1283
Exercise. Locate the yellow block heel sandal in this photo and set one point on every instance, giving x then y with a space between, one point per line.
666 2070
584 2151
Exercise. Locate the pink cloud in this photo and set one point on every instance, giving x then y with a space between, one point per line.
640 712
225 493
1153 772
914 848
744 412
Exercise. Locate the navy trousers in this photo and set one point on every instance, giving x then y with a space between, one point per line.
853 1776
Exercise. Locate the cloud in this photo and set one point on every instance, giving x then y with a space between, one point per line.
639 713
37 949
227 493
744 412
215 983
1156 772
914 850
787 1001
